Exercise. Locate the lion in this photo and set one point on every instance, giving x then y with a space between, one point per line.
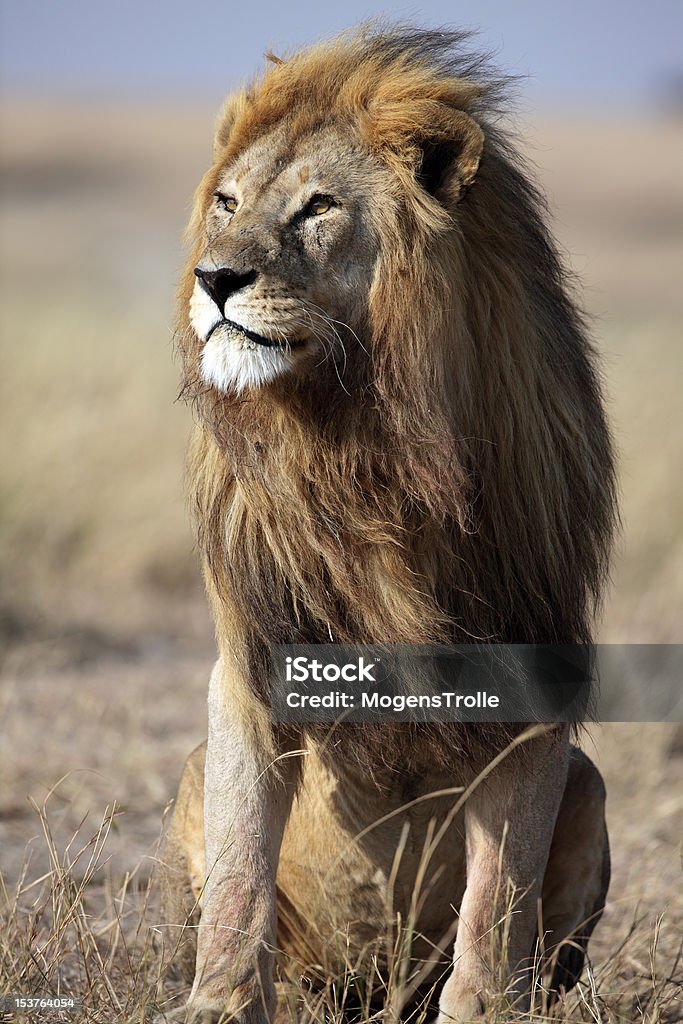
400 438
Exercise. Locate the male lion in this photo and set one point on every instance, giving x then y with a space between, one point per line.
400 439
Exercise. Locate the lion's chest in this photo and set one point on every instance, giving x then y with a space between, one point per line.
356 858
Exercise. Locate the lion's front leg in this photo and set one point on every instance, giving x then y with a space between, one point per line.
247 797
509 820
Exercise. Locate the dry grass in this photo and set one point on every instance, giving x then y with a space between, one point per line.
73 931
105 644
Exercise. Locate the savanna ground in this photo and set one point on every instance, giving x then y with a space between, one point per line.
105 640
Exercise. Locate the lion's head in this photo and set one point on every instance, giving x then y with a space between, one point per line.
401 434
289 257
323 171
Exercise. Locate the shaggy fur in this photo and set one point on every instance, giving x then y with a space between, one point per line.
459 484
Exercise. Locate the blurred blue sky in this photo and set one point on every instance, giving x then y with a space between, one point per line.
604 52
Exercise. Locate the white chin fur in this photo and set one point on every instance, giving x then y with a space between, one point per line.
230 368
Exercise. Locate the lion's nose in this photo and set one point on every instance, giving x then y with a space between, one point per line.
221 284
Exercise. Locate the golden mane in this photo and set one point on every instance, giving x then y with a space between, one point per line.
460 485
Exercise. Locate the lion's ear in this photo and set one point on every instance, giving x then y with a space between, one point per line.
234 106
434 140
449 160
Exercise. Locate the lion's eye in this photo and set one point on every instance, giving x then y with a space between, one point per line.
227 203
319 205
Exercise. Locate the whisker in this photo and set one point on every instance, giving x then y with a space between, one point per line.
329 327
326 342
341 323
330 324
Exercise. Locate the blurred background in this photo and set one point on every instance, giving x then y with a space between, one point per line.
106 115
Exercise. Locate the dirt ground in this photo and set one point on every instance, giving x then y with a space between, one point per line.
105 641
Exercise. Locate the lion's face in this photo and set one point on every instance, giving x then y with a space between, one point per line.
288 260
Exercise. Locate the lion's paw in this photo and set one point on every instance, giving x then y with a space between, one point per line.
460 1004
188 1015
194 1014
